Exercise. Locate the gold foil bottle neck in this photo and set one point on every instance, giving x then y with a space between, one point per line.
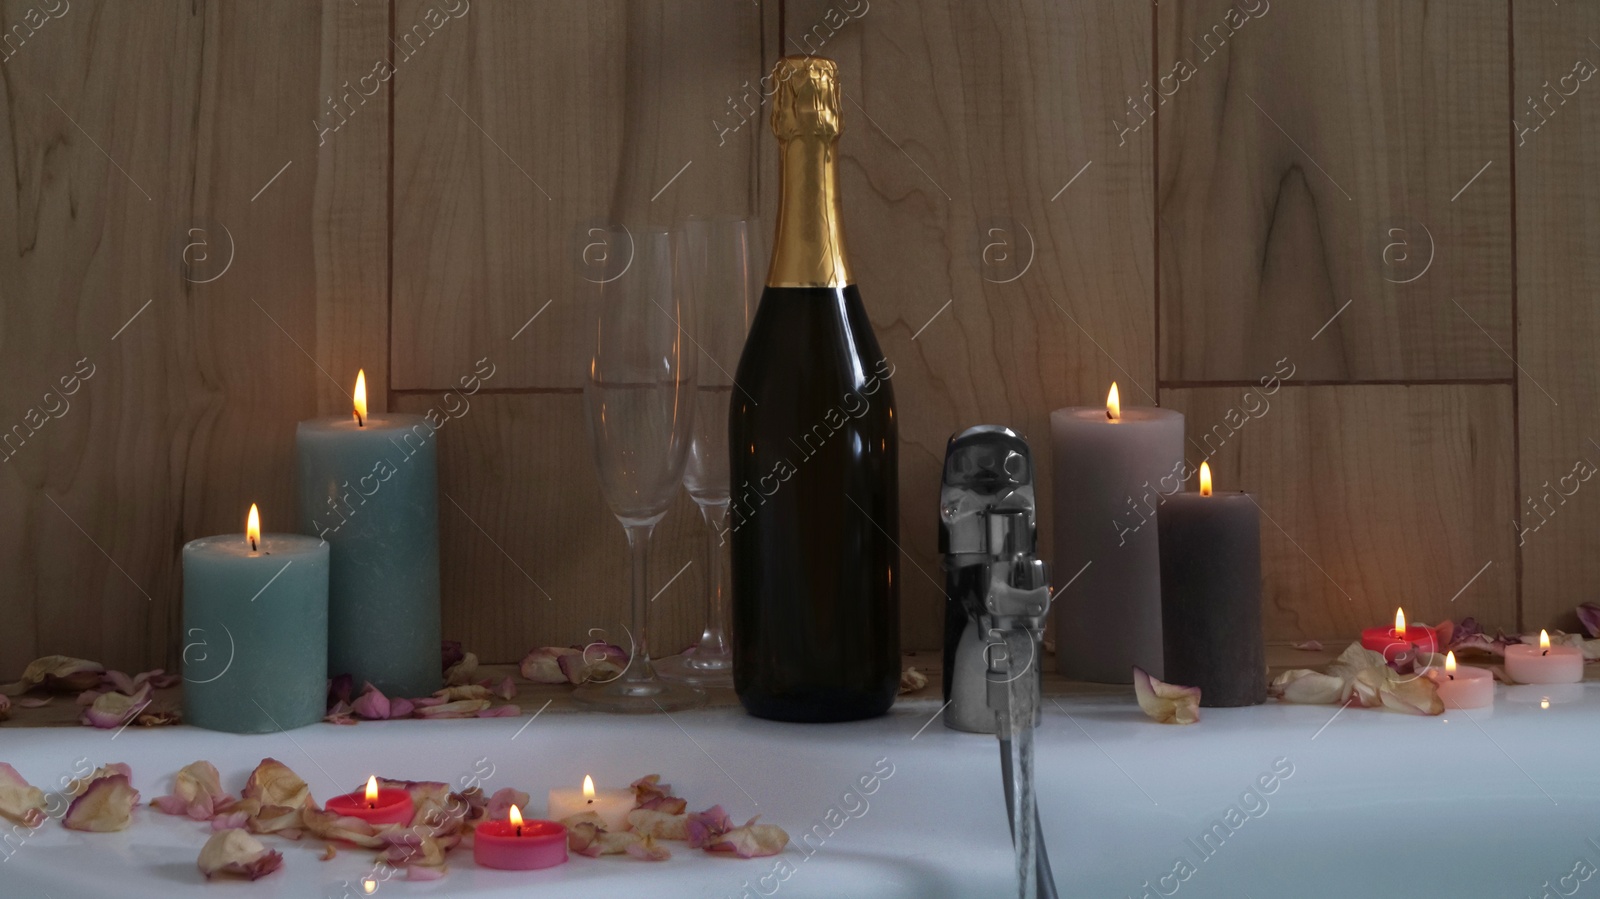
809 248
806 103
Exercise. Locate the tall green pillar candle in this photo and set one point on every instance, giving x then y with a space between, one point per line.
370 488
255 632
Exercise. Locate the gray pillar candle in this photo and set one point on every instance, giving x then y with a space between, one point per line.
1108 483
1211 595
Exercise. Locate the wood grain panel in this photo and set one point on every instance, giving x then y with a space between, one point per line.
530 554
150 236
1556 136
964 127
504 157
1371 498
1311 159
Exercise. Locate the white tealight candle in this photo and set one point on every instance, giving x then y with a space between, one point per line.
612 806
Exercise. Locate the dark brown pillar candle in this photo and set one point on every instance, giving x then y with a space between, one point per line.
1211 596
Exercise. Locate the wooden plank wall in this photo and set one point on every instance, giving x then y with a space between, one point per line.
1040 197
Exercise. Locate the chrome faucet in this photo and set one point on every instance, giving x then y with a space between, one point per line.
999 593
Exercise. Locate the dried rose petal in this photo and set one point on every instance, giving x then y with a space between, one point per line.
501 711
106 806
372 704
463 671
401 708
112 710
650 823
542 665
274 798
465 691
752 840
650 793
31 702
1303 685
423 873
647 849
120 682
340 688
464 708
1414 696
1589 615
499 807
450 654
912 680
326 825
196 792
61 674
20 801
707 827
157 718
231 819
340 713
507 689
329 851
1163 702
1308 645
238 854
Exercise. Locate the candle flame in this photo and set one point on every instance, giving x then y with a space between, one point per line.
1544 639
361 397
372 790
1450 663
1113 403
1205 478
252 527
588 787
516 817
1544 703
1400 623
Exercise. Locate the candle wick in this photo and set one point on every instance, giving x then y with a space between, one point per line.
519 830
1545 653
360 422
1451 676
252 544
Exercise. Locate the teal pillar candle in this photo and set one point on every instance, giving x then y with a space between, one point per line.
370 489
255 632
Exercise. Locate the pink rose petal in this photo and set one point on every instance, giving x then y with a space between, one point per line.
423 873
112 710
707 827
401 708
238 854
647 849
20 801
499 807
60 674
542 665
1589 615
507 689
32 702
372 704
752 840
501 711
465 708
231 819
1166 703
106 806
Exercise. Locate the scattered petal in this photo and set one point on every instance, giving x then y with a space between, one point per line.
372 704
423 872
112 710
238 854
401 708
507 689
501 711
708 827
647 849
465 708
1163 702
106 806
326 825
1589 615
158 678
650 823
1308 645
499 807
450 654
158 718
196 792
120 682
465 691
463 671
34 702
329 851
1303 685
753 840
20 801
340 688
231 819
274 798
1413 696
650 793
59 674
912 680
340 713
542 665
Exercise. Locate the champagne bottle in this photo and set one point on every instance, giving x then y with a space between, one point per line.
814 450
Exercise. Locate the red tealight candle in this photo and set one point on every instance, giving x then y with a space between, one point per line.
1400 639
374 806
518 845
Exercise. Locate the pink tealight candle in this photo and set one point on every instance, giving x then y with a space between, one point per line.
374 806
1463 687
1544 664
518 845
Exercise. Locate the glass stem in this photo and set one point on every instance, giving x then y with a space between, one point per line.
714 642
639 667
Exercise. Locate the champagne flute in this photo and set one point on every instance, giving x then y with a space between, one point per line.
716 261
638 400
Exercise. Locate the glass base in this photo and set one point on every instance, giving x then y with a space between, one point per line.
640 696
692 668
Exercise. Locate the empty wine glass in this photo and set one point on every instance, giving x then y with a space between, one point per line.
716 260
640 410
